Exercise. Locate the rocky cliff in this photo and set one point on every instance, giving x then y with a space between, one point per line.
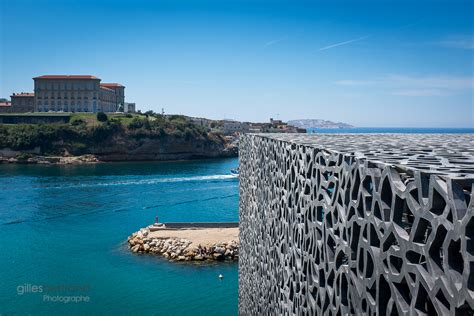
139 138
169 148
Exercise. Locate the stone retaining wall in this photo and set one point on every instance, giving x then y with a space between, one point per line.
202 225
356 224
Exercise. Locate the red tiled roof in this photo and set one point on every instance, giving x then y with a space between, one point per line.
23 94
5 103
112 84
107 89
66 77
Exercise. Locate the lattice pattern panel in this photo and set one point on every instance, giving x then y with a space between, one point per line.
356 224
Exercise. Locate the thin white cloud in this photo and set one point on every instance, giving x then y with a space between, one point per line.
434 82
423 86
275 41
422 93
462 42
344 43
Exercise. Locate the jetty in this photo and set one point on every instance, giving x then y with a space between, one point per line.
188 241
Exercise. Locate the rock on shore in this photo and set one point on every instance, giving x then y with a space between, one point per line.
179 249
50 159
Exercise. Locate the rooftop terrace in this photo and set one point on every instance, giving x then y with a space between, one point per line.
442 154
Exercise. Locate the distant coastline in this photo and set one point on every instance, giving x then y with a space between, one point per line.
79 138
76 138
318 123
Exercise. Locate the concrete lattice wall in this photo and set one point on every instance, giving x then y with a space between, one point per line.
356 224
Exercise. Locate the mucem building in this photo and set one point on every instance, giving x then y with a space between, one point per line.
368 224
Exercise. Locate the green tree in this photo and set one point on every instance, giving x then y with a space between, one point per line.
102 117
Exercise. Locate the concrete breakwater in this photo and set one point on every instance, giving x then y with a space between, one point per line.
181 242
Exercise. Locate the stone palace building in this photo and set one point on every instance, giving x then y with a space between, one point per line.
77 93
69 93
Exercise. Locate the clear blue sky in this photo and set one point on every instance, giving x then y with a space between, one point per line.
368 63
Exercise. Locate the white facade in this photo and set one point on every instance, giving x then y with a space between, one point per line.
129 107
230 127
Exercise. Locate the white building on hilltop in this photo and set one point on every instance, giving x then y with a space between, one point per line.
77 93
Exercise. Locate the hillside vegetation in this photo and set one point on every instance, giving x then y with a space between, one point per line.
86 134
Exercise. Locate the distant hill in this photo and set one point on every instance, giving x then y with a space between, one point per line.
318 123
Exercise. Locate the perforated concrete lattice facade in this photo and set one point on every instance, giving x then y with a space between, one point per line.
368 224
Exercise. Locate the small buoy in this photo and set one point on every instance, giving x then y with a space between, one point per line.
221 276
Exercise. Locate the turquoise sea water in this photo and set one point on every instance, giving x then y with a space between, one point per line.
64 228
